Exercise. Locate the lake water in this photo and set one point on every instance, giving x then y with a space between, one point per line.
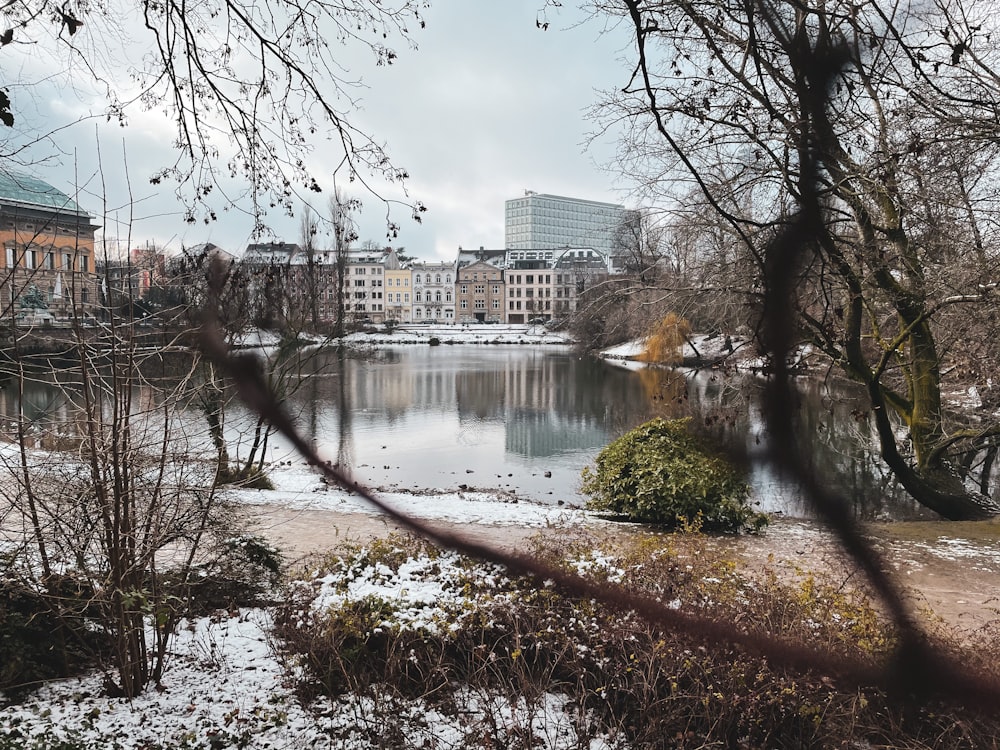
529 419
521 418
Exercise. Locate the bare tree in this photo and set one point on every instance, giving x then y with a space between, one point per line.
638 247
107 506
344 233
307 243
720 101
251 90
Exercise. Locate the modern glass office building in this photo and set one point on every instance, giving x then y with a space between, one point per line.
539 221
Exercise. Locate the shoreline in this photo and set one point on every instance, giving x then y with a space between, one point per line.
949 569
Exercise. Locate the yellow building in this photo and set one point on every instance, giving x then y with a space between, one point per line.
398 305
47 268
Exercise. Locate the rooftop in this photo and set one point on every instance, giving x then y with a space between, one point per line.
21 189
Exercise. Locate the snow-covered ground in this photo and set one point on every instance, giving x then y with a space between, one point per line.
458 333
225 686
300 488
463 333
705 347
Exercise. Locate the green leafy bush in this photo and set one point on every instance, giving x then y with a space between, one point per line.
661 473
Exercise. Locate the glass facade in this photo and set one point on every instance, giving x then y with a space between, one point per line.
539 221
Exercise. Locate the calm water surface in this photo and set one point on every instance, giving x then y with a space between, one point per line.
526 419
529 419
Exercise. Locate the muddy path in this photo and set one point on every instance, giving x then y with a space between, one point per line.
949 571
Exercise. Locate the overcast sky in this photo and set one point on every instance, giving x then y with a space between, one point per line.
486 107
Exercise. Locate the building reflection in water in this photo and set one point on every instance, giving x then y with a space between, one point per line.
491 415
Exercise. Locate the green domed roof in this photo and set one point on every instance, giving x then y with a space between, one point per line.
24 190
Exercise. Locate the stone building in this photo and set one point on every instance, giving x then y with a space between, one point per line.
48 272
481 294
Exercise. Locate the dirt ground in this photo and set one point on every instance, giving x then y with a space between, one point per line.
948 571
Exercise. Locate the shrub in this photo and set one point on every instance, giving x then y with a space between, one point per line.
660 473
416 632
245 571
667 336
39 643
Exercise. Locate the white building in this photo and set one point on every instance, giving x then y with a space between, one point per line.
433 292
364 290
538 221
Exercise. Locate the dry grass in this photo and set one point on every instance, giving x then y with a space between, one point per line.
520 640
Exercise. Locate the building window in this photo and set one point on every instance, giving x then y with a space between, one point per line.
496 289
11 257
480 304
479 289
83 263
464 304
496 304
437 279
50 261
447 296
464 289
418 295
437 296
406 297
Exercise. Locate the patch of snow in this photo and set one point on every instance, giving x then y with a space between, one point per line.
708 347
459 333
223 682
299 487
257 339
628 350
226 688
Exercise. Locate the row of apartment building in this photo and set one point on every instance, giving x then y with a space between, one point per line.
51 268
487 286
